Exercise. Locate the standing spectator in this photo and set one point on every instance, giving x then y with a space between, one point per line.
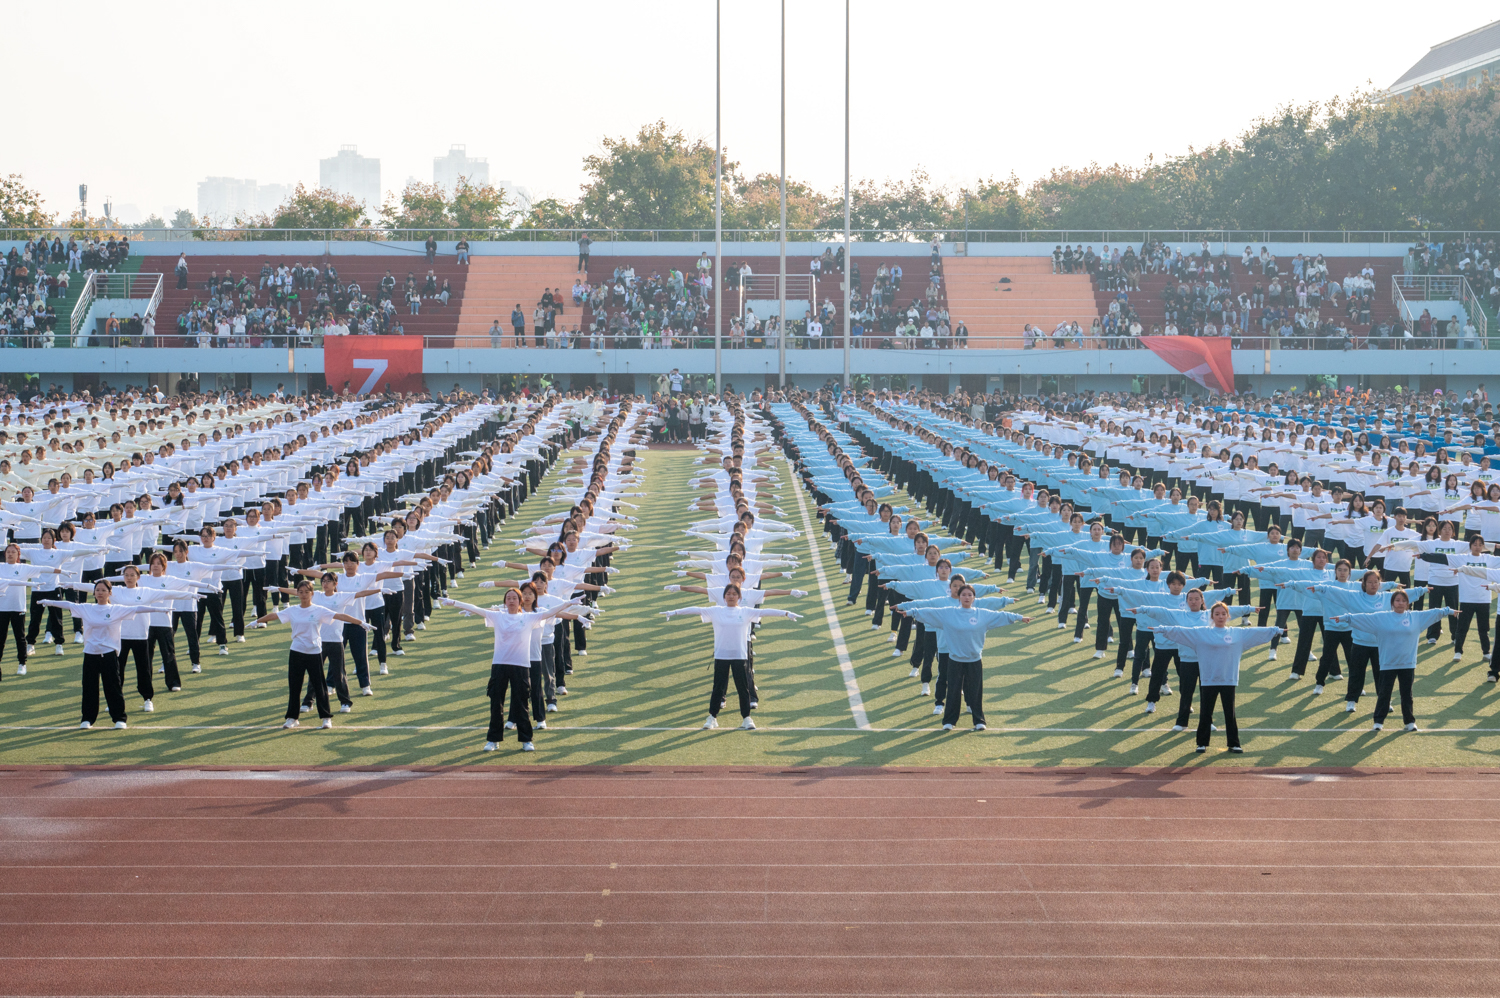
181 269
518 325
431 249
496 337
539 323
584 242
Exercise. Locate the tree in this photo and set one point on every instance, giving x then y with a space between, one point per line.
551 213
319 208
421 206
896 207
756 204
183 219
20 206
661 180
480 206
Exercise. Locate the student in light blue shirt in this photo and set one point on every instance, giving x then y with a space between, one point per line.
1397 632
1218 649
964 628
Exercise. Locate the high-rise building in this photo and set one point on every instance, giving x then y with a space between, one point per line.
458 163
353 174
516 197
221 200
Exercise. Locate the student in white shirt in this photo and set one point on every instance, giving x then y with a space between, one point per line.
510 668
731 623
101 652
305 658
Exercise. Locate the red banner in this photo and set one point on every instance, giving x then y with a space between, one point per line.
373 364
1207 360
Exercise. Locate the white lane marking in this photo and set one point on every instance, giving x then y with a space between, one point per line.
846 665
865 728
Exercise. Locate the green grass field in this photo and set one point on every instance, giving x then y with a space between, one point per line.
640 695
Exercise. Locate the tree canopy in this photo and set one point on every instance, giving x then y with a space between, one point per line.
1429 160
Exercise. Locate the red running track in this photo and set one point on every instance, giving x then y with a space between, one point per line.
738 882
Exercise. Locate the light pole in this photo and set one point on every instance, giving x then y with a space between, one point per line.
781 315
848 246
718 204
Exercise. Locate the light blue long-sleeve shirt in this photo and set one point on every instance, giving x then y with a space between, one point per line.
1396 634
1218 649
964 629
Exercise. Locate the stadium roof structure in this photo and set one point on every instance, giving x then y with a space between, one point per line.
1457 62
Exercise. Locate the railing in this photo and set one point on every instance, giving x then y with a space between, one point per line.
1219 240
1407 288
98 285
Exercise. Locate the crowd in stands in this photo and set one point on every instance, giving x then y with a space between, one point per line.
286 304
37 274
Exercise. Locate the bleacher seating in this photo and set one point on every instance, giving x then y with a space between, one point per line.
438 323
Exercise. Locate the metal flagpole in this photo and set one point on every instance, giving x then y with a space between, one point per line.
848 247
781 315
718 207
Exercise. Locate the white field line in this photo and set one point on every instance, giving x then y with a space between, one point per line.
846 665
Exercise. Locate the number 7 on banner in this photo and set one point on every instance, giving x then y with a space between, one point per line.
376 367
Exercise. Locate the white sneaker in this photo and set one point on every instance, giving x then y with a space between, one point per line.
85 725
366 692
1166 690
174 689
1293 676
1061 625
711 723
385 670
510 725
1098 654
541 725
1349 706
21 669
408 636
947 727
345 708
1151 708
748 724
914 673
31 649
78 637
895 653
148 706
327 722
119 725
552 708
1411 727
1378 726
527 747
1317 690
1271 655
1134 688
1130 654
979 727
223 649
59 650
305 708
1178 727
937 708
197 667
1458 656
891 638
240 640
46 639
1119 673
490 746
562 691
754 704
423 627
400 651
1145 673
926 689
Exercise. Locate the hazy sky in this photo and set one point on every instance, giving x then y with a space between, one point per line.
160 95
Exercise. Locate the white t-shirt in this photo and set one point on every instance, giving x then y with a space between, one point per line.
732 627
306 624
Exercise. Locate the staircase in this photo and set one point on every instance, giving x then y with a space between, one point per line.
497 284
996 296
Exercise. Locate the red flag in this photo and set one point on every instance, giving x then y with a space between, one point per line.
1207 360
373 363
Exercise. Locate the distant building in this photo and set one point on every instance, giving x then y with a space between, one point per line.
223 199
1458 62
516 197
351 173
458 163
